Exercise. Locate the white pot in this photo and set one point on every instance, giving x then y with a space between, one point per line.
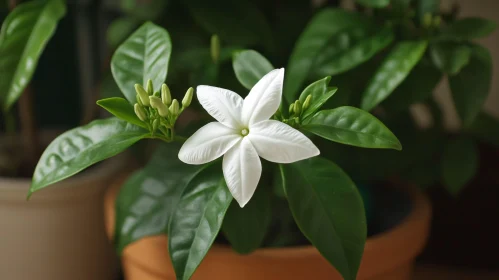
59 234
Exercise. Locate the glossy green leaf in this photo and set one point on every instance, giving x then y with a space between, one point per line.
392 72
450 57
23 37
236 22
148 198
320 94
486 128
469 28
471 86
459 164
245 228
81 147
144 55
357 54
417 87
197 220
352 126
119 30
250 66
374 3
122 109
328 210
321 28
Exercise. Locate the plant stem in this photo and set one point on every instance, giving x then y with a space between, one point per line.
29 132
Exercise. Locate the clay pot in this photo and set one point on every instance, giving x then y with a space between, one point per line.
387 256
59 234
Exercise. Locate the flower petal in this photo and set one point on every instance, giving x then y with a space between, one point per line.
208 143
242 170
279 142
264 98
222 104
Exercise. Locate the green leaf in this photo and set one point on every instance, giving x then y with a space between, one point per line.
235 22
352 126
23 37
119 30
144 10
197 220
486 128
417 87
374 3
144 55
321 28
122 109
459 164
328 210
427 7
250 66
355 55
320 94
147 200
471 86
450 57
469 28
245 228
81 147
392 72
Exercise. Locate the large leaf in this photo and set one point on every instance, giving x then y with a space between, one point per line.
197 220
122 109
245 228
471 86
450 57
374 3
23 37
417 87
469 28
459 164
323 26
352 126
77 149
357 54
237 22
328 210
320 93
144 55
392 72
148 198
250 66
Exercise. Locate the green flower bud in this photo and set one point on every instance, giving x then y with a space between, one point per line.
427 20
186 101
307 101
297 107
138 100
150 87
166 97
144 97
291 108
140 112
215 48
158 105
155 125
174 108
156 93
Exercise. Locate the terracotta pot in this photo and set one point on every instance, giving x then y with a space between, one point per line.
59 234
387 256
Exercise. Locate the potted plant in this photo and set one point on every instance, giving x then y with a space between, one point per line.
293 198
60 229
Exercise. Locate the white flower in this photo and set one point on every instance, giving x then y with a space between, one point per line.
243 133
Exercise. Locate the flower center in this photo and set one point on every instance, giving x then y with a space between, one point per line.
244 132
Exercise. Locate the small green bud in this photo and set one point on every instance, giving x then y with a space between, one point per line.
437 21
144 97
156 93
174 108
155 125
158 105
166 97
215 48
150 87
140 112
291 108
139 101
307 101
297 107
186 101
427 20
